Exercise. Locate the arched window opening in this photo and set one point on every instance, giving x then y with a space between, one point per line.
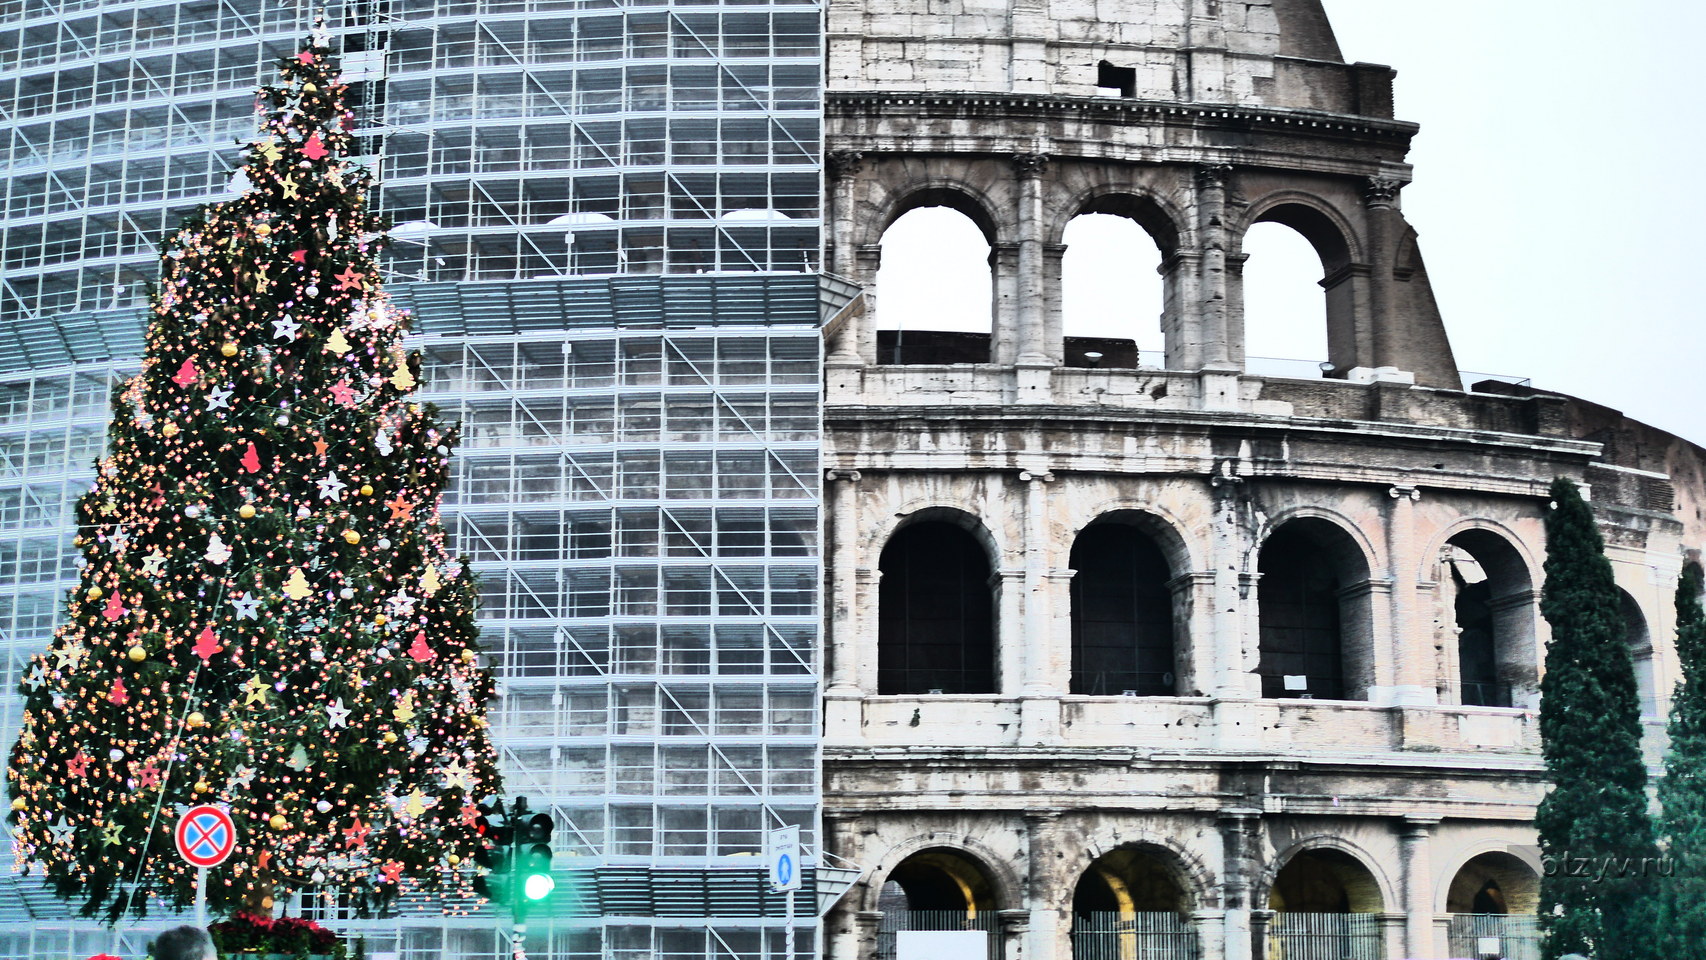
1640 643
1130 905
1112 299
934 289
1326 904
1122 615
1314 614
1492 900
1285 316
938 903
1492 602
936 616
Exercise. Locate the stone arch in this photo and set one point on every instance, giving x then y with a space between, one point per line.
1370 555
1315 607
1490 584
1493 881
1638 636
1160 218
1159 522
1344 279
923 509
1524 854
1196 881
936 280
1006 885
1369 891
937 608
1129 608
956 195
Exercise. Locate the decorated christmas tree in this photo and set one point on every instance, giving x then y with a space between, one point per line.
267 616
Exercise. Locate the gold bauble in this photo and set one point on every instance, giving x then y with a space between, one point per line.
453 859
379 619
195 719
94 593
18 803
202 786
367 489
351 537
278 822
137 654
169 430
389 737
229 349
246 511
468 656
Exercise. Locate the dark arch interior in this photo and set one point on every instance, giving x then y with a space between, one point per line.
1494 632
1325 881
1128 881
938 880
936 613
1640 643
1495 883
1122 614
1305 566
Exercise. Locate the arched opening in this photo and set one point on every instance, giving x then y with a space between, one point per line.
937 903
1492 901
1492 599
936 612
935 288
1130 905
1123 625
1326 904
1313 606
1112 294
1291 254
1640 643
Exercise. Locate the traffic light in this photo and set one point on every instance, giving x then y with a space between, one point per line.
495 863
533 854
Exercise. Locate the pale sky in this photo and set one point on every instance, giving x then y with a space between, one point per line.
1556 197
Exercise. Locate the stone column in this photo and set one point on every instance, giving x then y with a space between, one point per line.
1238 839
1415 857
1032 352
1209 925
1411 646
1043 901
843 166
1039 700
1261 925
1211 287
1380 197
1232 589
1015 928
842 696
1181 325
866 924
841 924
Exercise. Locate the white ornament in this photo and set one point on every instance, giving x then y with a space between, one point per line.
384 543
217 551
348 593
443 450
115 754
282 420
192 511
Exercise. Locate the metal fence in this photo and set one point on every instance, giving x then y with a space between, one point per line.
1509 937
1133 936
1325 936
898 921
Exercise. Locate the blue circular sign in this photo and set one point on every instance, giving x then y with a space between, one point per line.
784 869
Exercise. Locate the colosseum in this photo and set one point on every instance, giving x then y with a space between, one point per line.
1148 656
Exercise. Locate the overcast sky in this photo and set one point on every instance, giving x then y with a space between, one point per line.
1556 195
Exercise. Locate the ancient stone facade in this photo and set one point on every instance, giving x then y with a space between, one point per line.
1173 657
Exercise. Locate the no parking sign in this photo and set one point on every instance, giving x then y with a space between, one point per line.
206 836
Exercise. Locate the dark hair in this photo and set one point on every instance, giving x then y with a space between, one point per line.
182 943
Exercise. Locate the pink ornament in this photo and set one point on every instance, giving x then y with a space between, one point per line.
419 649
186 374
314 149
115 607
116 695
252 459
206 644
342 393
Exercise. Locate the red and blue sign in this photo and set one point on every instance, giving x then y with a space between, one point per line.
206 836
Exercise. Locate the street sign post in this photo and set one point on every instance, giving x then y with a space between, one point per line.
206 837
782 855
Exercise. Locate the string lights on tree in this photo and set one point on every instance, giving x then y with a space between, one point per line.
267 615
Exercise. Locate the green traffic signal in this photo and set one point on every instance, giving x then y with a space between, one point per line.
534 837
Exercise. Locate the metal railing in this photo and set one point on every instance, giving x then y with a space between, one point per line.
1325 936
1133 936
1486 936
895 922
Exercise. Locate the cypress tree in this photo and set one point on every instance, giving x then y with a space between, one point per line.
1590 731
1682 792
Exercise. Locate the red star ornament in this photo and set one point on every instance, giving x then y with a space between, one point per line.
305 58
342 393
392 870
400 508
349 279
206 644
148 776
78 766
300 256
355 835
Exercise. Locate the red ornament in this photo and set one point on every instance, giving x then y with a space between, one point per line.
186 374
116 695
300 256
342 393
304 57
115 608
252 459
314 149
349 279
206 644
419 649
392 871
78 766
355 835
148 776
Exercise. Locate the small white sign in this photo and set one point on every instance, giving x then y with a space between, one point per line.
1295 681
1489 947
782 853
942 945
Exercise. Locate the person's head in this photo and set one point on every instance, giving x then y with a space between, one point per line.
183 943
